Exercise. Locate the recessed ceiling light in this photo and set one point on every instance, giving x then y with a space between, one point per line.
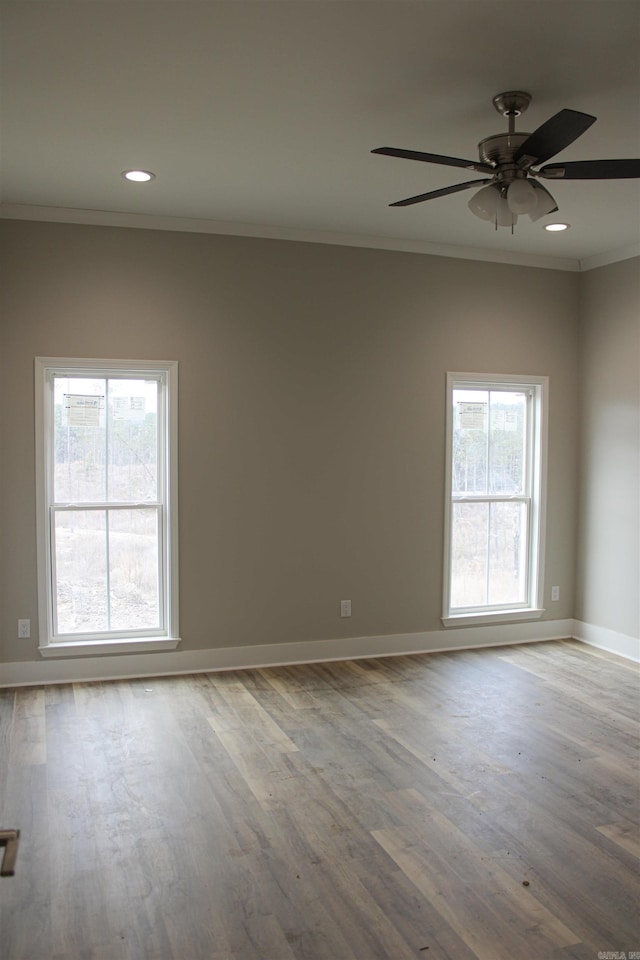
138 176
556 227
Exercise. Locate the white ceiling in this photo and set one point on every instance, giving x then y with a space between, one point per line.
259 117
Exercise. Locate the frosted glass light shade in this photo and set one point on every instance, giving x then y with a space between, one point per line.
521 196
544 202
484 203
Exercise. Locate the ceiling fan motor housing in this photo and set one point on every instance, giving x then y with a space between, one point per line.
501 147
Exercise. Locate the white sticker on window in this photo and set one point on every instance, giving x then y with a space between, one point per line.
128 408
83 410
473 416
504 420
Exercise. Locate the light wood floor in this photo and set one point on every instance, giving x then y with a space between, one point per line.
470 806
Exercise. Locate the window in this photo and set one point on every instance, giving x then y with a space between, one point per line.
107 505
496 442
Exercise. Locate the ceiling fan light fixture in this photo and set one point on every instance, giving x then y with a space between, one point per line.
484 203
521 196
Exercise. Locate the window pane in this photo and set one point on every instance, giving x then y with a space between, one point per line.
81 571
507 442
133 563
470 525
79 440
489 550
133 440
470 441
507 553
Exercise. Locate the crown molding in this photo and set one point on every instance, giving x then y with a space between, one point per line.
613 256
108 218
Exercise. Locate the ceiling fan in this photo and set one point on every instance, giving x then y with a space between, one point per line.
512 187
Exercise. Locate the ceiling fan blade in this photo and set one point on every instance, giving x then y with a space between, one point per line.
553 136
437 193
434 158
592 170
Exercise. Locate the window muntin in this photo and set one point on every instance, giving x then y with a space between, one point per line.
107 515
495 473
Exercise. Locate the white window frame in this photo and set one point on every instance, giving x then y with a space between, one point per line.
167 638
537 388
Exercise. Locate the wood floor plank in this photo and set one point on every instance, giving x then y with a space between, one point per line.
251 714
7 705
28 744
626 835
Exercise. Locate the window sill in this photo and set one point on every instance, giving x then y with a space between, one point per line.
99 648
502 616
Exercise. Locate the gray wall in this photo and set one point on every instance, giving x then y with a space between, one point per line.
608 593
312 385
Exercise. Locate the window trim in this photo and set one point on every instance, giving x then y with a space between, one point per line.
114 642
537 453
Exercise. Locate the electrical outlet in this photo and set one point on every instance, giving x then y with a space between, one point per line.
345 608
555 593
24 629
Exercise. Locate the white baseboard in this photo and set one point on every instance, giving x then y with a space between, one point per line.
176 662
609 640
